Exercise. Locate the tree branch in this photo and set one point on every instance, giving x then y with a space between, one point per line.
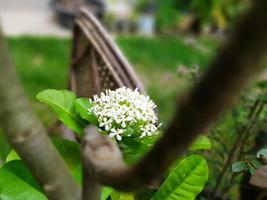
102 158
29 138
91 188
233 67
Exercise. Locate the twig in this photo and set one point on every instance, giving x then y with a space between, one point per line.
238 61
238 141
91 189
246 136
242 142
102 157
29 138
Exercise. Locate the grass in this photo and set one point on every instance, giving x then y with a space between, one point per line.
166 52
43 63
157 61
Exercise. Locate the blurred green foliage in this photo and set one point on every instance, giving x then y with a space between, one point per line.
41 62
219 13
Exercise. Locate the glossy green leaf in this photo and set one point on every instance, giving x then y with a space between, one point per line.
134 148
77 173
115 195
186 181
69 150
17 183
105 192
12 156
143 194
63 103
82 105
239 166
201 143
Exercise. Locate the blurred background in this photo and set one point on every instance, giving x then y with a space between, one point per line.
168 42
173 39
145 17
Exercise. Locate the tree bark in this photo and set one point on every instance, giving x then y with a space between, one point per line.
28 136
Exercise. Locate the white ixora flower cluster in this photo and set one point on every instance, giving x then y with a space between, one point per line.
124 112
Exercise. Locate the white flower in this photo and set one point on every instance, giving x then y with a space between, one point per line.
123 109
105 123
116 133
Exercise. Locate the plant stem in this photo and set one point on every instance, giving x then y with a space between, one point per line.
91 189
238 142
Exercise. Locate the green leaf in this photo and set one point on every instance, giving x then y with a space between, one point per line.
131 150
185 181
82 105
62 102
134 148
105 192
12 156
69 150
239 166
115 195
77 173
253 164
17 183
256 163
252 169
201 143
144 194
262 152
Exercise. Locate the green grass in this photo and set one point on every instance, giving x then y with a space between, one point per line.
41 62
157 59
166 52
44 63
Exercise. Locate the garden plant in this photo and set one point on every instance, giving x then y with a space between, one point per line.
120 148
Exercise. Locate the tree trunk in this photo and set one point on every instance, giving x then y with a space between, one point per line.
28 137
